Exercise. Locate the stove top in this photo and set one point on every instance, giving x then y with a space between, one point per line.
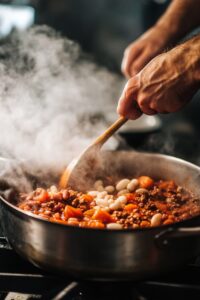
20 280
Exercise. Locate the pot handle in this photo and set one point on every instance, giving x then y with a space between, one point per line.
162 238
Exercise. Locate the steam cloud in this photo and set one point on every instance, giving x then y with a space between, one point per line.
53 99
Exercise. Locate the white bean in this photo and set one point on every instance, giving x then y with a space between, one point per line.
156 220
110 201
110 189
133 184
72 219
108 197
122 184
101 202
96 207
98 183
114 226
102 194
122 199
93 193
122 192
100 188
141 191
115 205
106 208
53 189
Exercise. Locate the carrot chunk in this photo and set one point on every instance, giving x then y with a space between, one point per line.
87 198
71 212
130 207
89 213
42 197
130 197
102 216
145 182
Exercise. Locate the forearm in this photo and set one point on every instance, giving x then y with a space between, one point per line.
194 44
180 18
189 60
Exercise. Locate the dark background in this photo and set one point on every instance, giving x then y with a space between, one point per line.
103 27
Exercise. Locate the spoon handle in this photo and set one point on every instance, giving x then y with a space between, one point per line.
110 131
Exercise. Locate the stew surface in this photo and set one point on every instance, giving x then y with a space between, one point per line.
129 203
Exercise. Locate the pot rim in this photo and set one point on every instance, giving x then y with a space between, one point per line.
26 215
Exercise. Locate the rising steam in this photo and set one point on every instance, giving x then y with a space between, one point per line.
53 99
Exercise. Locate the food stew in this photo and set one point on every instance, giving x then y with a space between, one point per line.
129 203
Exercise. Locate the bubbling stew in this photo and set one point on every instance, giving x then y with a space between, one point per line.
128 203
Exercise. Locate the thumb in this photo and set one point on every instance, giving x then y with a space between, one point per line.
127 105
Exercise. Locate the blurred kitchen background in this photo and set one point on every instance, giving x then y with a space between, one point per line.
104 28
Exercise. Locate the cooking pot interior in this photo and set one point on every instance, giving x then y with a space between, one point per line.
129 164
115 164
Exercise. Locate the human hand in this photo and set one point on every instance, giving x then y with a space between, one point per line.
164 85
141 51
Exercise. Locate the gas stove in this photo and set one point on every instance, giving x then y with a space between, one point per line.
20 280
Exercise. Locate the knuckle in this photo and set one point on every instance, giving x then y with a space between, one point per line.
143 101
153 106
128 50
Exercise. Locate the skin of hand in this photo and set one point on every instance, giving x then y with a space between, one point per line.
165 84
141 51
172 26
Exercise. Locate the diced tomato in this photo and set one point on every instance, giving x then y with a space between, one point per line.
89 213
130 197
71 212
145 182
130 207
102 216
87 198
42 197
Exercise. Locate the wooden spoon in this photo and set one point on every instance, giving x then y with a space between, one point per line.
77 172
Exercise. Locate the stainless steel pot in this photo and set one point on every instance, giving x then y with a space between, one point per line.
110 254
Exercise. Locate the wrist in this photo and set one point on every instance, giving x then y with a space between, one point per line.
170 33
193 49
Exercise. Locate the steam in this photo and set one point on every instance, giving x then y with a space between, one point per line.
53 99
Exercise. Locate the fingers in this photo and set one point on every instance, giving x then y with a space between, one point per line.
130 54
135 58
137 65
164 105
134 100
145 108
127 105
